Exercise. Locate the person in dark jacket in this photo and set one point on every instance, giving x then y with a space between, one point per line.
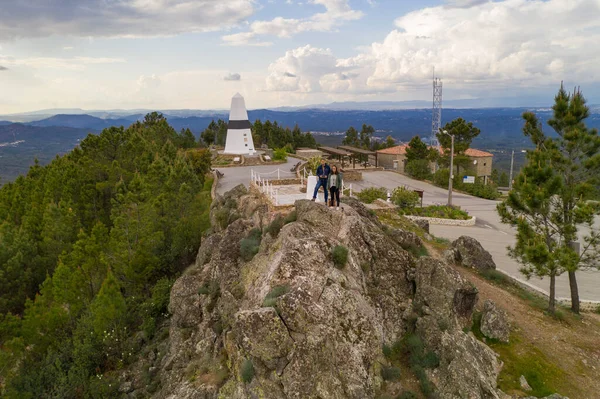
323 172
335 184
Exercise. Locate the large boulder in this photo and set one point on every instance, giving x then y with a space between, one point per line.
494 322
291 323
468 252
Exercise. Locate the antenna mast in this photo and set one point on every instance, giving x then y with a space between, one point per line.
436 119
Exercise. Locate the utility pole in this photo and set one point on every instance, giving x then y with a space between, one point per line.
451 168
510 180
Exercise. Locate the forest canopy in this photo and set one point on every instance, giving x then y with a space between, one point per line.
89 247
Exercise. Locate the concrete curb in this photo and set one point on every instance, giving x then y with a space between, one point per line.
445 222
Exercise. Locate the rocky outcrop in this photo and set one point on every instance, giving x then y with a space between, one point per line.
406 239
468 252
290 324
494 322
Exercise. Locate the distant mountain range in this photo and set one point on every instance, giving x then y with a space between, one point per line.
44 135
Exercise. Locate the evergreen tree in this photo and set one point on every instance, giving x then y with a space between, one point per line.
366 135
351 138
577 159
389 142
531 209
416 150
108 309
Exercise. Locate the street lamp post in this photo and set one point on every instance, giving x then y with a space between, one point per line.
510 179
451 166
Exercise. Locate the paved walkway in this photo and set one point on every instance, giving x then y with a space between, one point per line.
234 176
489 231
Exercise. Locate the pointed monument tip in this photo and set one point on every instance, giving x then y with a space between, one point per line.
237 95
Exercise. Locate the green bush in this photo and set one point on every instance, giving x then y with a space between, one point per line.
247 371
250 245
418 169
436 211
248 248
276 226
390 373
280 154
369 195
598 309
312 164
440 178
340 256
487 191
289 148
405 198
291 217
161 294
222 217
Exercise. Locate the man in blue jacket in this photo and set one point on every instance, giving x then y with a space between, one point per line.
323 172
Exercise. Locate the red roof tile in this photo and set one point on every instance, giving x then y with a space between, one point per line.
401 150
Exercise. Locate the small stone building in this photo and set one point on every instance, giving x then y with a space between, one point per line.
394 158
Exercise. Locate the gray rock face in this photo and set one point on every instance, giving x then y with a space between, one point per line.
494 323
423 224
468 252
406 239
321 331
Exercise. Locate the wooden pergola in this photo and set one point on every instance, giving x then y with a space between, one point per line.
360 152
340 153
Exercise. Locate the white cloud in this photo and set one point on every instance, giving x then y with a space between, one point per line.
232 77
300 69
480 45
336 13
72 64
148 82
122 18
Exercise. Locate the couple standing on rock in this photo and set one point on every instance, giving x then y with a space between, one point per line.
330 178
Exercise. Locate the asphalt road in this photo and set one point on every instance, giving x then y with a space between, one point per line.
494 236
241 175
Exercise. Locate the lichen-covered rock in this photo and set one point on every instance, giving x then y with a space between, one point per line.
423 224
308 328
468 252
494 323
524 384
406 239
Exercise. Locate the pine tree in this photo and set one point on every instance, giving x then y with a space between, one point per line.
577 159
351 137
108 308
530 207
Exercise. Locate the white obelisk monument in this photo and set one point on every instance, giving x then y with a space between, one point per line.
239 136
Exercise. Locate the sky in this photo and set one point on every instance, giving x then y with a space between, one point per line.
196 54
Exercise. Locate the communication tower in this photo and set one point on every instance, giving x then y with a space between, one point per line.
436 119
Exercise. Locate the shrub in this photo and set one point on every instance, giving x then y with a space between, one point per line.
280 154
312 164
247 371
291 217
275 226
440 178
407 395
340 256
419 169
390 373
248 248
487 191
598 309
405 198
161 294
289 148
369 195
222 217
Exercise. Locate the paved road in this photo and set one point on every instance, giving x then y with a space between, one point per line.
489 231
241 175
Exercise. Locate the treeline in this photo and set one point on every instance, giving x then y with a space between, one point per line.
268 133
364 139
89 247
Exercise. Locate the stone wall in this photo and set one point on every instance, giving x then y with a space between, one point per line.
445 222
352 175
285 182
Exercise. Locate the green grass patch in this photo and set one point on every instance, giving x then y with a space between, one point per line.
250 245
247 371
340 256
522 359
